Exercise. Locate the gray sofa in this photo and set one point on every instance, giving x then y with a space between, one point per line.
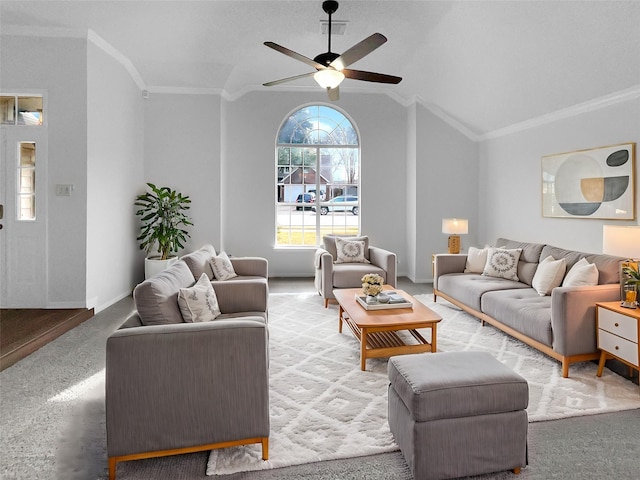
561 325
174 387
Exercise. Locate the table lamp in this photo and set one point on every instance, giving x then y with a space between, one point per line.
623 241
455 227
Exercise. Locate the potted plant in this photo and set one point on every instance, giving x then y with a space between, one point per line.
163 225
631 284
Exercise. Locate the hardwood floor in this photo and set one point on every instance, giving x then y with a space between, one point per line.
23 331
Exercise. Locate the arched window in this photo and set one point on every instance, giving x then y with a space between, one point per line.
317 177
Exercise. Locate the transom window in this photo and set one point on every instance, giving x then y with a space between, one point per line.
21 110
317 177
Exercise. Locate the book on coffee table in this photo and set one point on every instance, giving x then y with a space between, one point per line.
395 301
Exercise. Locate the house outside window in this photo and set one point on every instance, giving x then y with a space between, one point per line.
317 177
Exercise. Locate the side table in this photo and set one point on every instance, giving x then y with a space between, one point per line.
618 329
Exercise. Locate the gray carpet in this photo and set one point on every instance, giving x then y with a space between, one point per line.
52 418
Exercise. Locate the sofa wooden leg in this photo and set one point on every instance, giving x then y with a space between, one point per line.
112 468
516 470
565 368
326 303
265 448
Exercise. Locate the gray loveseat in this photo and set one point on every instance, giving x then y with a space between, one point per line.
561 325
174 387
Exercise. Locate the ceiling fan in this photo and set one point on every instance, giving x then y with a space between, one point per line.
331 67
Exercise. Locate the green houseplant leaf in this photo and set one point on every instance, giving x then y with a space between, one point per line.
164 220
632 274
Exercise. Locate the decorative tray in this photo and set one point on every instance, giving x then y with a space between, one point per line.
382 306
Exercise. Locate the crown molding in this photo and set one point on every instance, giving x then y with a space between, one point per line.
578 109
448 119
110 50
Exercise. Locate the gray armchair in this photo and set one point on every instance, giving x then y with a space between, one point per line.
330 275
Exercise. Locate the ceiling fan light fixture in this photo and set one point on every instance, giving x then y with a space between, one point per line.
328 78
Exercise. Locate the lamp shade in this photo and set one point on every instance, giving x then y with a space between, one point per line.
328 78
455 226
621 241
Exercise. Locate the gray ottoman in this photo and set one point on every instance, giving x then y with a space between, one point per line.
456 414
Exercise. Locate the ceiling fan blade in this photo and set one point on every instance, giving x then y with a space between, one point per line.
292 54
359 50
370 76
334 94
288 79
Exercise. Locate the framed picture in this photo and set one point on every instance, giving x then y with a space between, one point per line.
593 183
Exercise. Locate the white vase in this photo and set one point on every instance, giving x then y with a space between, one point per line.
153 265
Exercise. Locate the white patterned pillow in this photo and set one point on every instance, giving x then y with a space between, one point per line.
222 267
350 251
199 303
502 263
582 273
549 275
476 260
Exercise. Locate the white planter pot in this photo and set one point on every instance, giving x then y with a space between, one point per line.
153 265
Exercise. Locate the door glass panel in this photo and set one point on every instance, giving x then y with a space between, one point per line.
29 110
26 181
16 110
7 110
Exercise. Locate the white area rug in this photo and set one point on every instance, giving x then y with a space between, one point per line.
324 407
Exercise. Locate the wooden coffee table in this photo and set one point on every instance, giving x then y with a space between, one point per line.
377 330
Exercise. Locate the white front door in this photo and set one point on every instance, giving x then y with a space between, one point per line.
23 237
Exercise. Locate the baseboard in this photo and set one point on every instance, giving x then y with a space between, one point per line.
108 303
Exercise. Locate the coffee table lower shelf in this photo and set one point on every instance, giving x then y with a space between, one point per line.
383 342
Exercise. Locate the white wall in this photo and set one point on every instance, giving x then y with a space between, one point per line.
251 124
182 151
412 182
114 174
510 177
447 187
59 67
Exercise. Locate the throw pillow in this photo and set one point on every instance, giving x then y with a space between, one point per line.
222 267
582 273
329 242
502 263
350 251
476 260
199 303
549 275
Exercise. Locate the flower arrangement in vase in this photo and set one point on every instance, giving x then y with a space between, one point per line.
372 284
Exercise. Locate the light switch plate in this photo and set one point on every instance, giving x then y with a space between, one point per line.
64 190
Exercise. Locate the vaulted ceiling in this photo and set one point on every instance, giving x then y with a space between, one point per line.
485 65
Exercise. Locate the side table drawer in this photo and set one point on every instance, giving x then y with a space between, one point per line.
620 347
620 325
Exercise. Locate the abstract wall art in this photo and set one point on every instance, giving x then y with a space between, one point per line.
593 183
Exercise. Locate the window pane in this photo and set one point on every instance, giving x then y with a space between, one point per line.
26 190
29 110
317 125
27 207
8 110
